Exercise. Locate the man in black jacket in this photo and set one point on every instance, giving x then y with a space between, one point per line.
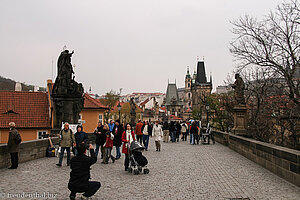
100 139
80 173
118 131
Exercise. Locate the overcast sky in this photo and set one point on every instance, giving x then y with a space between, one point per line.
136 45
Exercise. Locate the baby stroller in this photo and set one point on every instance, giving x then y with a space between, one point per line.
137 162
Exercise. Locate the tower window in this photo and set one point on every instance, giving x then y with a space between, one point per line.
189 85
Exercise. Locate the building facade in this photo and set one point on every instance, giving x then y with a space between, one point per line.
196 91
173 103
30 112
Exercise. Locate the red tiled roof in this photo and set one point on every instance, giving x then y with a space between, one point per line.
26 109
163 108
144 102
173 117
91 103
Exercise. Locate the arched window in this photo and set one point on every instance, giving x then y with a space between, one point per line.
189 95
189 85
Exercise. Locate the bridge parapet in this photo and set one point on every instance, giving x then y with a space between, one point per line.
282 161
30 150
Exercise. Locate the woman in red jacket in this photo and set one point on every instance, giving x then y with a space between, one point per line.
127 138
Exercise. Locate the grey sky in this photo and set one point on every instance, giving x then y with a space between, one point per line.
131 44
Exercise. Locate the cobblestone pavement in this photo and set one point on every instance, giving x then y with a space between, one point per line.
179 171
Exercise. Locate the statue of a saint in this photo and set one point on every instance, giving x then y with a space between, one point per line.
239 87
132 106
64 66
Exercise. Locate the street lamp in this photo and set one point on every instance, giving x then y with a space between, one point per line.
142 115
207 109
119 109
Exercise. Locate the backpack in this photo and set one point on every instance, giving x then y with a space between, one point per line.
18 138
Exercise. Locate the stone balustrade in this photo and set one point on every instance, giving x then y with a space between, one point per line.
30 150
282 161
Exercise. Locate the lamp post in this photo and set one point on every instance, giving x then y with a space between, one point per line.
119 109
207 109
142 115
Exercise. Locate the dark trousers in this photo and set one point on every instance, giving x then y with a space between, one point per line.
61 155
126 163
184 136
14 159
177 135
139 138
173 136
146 141
92 189
196 138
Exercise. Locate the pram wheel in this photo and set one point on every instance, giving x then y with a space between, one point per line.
136 172
130 170
146 171
140 168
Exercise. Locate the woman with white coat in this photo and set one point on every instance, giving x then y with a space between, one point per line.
157 133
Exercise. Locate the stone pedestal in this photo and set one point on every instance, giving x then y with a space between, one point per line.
240 120
66 109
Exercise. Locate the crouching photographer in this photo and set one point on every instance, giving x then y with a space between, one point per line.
80 173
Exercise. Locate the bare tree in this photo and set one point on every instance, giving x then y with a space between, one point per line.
272 44
110 100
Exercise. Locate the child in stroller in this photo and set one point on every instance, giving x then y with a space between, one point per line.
137 162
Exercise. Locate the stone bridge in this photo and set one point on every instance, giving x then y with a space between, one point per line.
179 171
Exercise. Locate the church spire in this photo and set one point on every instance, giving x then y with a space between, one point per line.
187 73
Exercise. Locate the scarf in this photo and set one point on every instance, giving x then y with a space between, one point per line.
129 136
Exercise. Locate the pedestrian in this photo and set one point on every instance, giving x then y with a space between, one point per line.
210 134
118 131
146 130
157 133
194 132
100 139
13 147
184 131
127 138
178 131
108 145
172 130
111 125
80 136
80 173
165 129
138 131
191 134
67 140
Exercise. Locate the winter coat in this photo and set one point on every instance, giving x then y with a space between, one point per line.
178 128
157 132
172 127
124 140
67 138
183 128
138 128
11 145
81 137
165 126
194 130
111 126
80 171
109 140
100 138
118 135
149 129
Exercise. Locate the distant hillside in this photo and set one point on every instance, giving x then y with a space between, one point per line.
8 84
